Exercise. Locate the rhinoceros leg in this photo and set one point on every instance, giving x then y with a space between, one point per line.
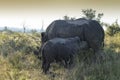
45 64
71 60
65 62
46 67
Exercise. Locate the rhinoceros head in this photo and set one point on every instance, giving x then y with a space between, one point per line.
43 37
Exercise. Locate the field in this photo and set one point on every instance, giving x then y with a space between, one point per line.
18 62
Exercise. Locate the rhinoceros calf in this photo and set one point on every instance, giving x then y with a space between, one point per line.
59 49
88 30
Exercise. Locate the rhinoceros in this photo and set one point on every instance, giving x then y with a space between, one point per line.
88 30
60 49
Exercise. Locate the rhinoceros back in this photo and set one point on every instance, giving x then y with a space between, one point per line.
64 29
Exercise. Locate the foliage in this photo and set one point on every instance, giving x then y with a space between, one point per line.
68 18
91 14
88 14
113 28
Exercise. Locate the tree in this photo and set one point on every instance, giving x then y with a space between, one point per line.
68 18
91 14
24 26
5 28
99 16
113 28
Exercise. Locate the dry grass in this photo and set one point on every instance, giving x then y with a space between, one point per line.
18 65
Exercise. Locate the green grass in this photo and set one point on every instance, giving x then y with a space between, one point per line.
17 61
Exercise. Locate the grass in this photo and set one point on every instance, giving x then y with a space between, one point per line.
22 64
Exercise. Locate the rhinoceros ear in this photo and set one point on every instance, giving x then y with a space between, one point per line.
43 37
42 34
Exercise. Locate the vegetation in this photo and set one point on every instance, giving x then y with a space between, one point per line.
91 14
17 61
113 28
88 14
68 18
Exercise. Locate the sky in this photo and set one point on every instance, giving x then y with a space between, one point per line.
35 13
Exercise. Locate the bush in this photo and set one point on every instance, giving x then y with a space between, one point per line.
113 29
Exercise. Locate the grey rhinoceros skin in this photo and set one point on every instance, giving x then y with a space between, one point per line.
59 49
88 30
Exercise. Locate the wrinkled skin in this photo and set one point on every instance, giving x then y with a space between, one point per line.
88 30
59 49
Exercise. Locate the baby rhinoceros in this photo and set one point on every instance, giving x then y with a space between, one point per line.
59 49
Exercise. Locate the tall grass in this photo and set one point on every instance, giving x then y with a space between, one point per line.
108 69
17 61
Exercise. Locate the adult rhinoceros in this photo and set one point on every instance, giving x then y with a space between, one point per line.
88 30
